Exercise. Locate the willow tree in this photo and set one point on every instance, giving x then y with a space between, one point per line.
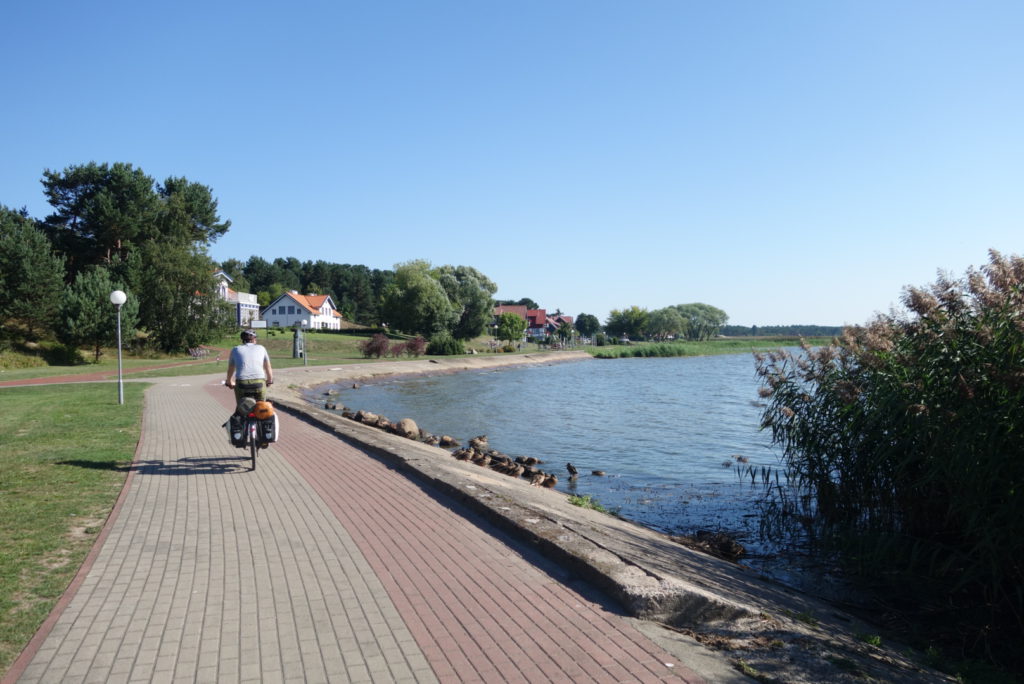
416 303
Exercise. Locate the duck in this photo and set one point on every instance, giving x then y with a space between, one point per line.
549 481
537 479
479 442
599 473
572 470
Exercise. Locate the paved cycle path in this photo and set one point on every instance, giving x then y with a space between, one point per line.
324 564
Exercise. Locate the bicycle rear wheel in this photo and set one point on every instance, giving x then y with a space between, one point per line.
254 443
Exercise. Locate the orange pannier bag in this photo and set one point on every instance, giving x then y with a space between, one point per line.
263 410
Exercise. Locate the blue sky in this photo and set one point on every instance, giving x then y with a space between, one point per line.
788 162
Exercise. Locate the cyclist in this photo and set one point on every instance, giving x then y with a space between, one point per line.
249 370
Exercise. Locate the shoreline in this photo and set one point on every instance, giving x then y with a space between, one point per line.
697 605
302 380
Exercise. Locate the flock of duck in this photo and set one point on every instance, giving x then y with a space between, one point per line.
477 452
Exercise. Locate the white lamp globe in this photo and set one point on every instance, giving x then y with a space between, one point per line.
117 298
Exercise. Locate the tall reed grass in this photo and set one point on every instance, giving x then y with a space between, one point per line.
905 444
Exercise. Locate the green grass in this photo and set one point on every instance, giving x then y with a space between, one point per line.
587 501
321 349
732 345
64 453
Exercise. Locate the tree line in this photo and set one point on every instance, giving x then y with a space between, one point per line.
781 330
694 321
112 226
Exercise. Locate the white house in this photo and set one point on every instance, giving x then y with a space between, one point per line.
315 312
247 309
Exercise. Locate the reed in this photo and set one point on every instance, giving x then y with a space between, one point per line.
902 444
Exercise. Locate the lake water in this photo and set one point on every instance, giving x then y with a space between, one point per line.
671 434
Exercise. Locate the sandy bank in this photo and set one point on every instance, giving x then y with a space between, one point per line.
291 382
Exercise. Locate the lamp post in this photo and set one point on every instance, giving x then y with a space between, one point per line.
118 298
305 344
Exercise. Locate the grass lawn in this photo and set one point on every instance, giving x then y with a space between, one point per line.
730 345
321 349
64 453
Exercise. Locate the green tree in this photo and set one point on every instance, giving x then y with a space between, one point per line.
31 275
188 212
416 303
470 292
511 327
236 270
587 324
99 210
703 321
664 323
631 322
525 301
103 210
181 309
88 318
565 332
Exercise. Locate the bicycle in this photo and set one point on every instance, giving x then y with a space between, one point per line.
257 432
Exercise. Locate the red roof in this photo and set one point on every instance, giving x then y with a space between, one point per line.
516 309
312 303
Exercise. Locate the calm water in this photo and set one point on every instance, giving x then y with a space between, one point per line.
668 432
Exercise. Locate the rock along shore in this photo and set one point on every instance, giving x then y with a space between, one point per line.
688 600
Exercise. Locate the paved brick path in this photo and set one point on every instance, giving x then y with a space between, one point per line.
322 565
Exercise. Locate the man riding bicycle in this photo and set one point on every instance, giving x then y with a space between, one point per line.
249 371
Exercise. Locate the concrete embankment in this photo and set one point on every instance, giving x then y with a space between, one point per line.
777 632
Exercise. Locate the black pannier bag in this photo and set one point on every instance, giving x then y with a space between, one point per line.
236 430
269 429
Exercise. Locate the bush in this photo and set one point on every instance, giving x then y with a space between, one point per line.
902 443
600 339
375 347
443 344
10 360
396 349
416 347
63 355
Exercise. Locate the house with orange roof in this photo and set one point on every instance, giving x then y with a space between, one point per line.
312 311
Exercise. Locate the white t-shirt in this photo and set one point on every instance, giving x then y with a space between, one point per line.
248 360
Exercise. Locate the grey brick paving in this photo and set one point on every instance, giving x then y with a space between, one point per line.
323 565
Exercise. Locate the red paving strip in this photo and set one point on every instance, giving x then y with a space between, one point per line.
481 607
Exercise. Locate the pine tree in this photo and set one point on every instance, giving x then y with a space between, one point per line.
31 275
88 318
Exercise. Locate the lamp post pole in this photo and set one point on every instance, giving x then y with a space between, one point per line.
118 298
305 344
